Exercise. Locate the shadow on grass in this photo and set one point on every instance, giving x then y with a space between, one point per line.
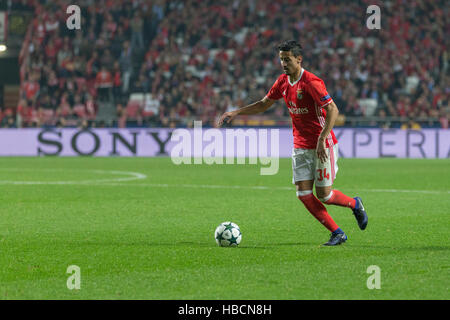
278 245
192 244
242 246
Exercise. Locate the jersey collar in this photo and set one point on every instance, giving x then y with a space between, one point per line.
301 73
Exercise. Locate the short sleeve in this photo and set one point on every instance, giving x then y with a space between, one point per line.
317 90
275 92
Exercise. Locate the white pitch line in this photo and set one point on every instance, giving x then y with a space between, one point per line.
207 186
130 177
211 186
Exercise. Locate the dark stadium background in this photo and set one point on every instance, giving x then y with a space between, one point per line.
166 63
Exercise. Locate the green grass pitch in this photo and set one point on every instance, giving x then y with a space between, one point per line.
143 228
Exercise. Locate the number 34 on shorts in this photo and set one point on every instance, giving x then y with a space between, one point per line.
307 166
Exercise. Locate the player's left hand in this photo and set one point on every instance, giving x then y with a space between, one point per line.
321 151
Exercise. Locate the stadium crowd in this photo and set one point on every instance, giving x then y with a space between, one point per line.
197 59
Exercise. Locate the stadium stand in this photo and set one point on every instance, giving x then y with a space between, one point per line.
165 63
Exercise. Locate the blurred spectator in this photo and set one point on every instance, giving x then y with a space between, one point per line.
117 82
353 108
104 83
64 109
411 125
125 66
107 60
79 109
8 120
137 37
31 88
382 122
121 113
443 119
90 107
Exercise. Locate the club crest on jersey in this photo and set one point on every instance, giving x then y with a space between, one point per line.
299 94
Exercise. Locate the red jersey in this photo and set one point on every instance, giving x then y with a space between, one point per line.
31 89
305 99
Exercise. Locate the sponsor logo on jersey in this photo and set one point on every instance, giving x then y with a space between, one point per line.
296 110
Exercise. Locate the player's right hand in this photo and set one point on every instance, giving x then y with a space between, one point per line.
321 151
226 117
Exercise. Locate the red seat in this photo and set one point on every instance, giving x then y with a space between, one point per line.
80 111
47 116
81 84
133 110
64 110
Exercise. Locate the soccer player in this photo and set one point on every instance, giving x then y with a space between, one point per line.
315 152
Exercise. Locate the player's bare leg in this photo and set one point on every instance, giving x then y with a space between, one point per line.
304 185
323 192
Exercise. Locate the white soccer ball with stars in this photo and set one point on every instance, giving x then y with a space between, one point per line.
228 234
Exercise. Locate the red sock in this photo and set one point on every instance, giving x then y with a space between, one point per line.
317 209
340 199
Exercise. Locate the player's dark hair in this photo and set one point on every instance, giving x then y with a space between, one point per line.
291 45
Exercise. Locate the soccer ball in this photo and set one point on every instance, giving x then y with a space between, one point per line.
228 234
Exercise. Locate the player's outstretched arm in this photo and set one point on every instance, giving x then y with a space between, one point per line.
254 108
